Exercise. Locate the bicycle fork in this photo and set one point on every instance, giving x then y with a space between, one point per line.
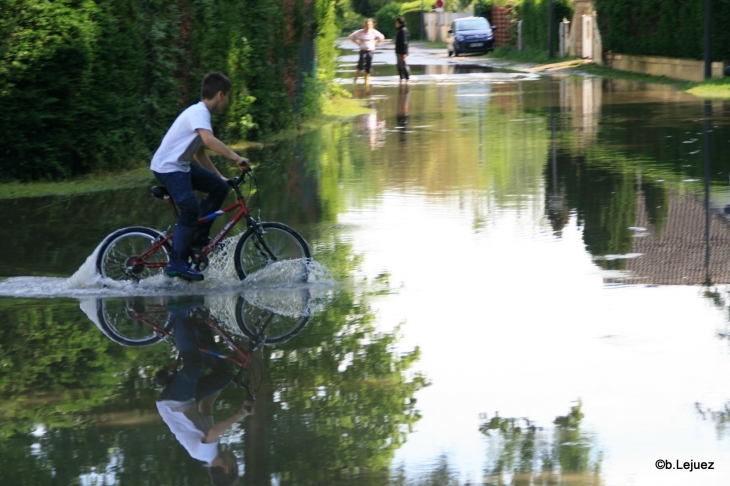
259 242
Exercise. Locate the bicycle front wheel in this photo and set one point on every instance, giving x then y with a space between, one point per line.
265 244
115 257
267 326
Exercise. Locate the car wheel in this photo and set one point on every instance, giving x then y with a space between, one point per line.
456 53
450 53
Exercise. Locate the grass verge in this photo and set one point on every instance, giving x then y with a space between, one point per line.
337 108
718 88
712 88
80 185
533 56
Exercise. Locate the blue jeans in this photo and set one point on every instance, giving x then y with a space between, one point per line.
191 333
181 186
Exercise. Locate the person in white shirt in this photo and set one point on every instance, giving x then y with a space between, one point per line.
186 139
367 39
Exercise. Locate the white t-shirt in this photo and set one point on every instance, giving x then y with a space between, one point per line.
366 40
190 428
182 140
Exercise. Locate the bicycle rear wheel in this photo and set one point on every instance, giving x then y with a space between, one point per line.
115 255
278 242
120 320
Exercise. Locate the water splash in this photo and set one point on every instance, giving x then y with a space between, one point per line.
289 273
220 277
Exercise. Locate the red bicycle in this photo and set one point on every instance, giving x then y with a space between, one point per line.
138 252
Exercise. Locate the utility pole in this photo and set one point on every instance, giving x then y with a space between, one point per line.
708 43
423 23
550 29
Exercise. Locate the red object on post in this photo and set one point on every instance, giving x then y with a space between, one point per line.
439 3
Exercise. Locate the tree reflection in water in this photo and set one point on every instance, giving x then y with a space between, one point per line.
521 453
334 401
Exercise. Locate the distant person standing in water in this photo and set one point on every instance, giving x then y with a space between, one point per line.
366 39
401 49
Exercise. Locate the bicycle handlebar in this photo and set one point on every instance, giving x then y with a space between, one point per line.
236 181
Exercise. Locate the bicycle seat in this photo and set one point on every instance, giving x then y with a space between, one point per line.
160 192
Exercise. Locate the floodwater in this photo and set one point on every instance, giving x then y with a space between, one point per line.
517 280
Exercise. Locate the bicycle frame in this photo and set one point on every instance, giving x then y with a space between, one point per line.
241 213
243 358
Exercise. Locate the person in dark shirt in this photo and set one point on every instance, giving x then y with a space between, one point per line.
401 49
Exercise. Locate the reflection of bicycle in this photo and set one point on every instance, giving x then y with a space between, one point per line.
137 252
143 321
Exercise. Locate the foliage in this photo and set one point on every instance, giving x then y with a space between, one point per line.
350 22
672 28
535 16
385 19
61 116
527 451
341 419
326 49
56 365
414 22
605 200
482 8
90 85
368 8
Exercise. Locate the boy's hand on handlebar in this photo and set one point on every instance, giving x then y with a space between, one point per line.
243 164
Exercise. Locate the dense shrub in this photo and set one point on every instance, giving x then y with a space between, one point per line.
91 85
414 21
672 28
483 8
385 19
535 16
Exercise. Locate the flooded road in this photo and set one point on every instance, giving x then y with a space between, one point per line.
520 280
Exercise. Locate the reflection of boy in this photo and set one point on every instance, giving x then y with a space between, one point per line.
186 403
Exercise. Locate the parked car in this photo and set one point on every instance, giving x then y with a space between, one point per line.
470 34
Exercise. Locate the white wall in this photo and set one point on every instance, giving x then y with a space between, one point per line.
438 23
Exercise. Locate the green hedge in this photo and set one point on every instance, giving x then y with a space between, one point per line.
88 85
672 28
385 19
414 22
535 15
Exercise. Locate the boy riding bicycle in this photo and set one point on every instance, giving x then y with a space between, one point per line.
187 138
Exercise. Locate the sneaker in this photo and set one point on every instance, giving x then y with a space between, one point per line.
182 271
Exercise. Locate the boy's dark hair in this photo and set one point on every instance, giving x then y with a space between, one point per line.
401 20
219 476
212 83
